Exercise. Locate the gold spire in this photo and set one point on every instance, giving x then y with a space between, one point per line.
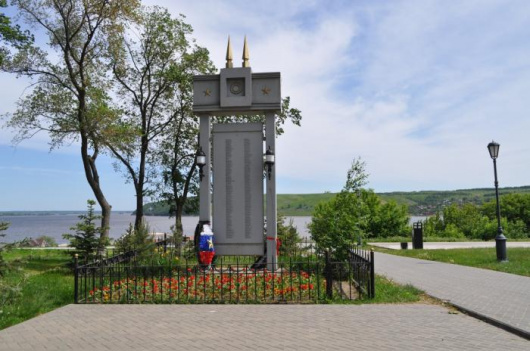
246 55
229 63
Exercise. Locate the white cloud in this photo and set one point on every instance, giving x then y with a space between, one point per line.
417 88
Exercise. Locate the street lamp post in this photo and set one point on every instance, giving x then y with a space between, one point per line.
500 239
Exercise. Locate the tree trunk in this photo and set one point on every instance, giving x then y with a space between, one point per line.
140 180
105 221
178 232
139 209
91 173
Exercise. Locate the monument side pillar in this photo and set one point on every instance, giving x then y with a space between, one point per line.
270 141
205 214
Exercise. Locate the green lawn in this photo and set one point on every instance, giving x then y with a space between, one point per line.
37 282
518 258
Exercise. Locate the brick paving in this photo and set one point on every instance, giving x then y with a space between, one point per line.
257 327
500 297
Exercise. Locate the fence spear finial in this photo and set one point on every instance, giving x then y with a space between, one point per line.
246 55
229 55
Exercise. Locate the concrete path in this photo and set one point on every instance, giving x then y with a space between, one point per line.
257 327
453 245
499 297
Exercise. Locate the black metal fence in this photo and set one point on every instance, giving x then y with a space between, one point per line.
363 270
308 275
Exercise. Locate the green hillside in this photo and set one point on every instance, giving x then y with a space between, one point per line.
300 204
423 203
420 203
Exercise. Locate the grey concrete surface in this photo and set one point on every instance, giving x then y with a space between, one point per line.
257 327
500 297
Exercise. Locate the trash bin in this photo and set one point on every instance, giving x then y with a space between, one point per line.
417 235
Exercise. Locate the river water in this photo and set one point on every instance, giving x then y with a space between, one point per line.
55 225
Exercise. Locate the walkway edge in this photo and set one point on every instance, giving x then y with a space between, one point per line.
496 323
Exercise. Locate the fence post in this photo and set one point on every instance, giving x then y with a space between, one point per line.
76 278
165 242
329 276
372 274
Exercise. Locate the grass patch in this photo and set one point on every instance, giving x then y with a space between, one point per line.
518 258
37 282
388 291
398 239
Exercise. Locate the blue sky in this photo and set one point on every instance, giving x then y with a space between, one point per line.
416 88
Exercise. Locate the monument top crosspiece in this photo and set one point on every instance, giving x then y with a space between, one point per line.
237 90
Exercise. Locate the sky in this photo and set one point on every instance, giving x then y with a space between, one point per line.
417 89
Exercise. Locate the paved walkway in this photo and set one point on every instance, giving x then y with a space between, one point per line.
499 297
257 327
454 245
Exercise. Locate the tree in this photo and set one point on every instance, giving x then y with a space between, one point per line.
86 238
513 207
69 100
480 222
154 83
335 224
355 211
11 35
383 220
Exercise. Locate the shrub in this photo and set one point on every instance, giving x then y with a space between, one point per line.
289 237
86 238
135 239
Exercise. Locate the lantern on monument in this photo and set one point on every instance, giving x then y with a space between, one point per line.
269 161
201 162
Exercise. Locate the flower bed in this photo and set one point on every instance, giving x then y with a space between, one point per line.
195 285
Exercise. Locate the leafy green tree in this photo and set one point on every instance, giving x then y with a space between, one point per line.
514 207
336 223
69 98
355 211
178 143
153 75
86 239
480 222
433 225
383 220
466 218
11 35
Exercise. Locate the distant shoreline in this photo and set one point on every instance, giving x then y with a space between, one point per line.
52 213
420 203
